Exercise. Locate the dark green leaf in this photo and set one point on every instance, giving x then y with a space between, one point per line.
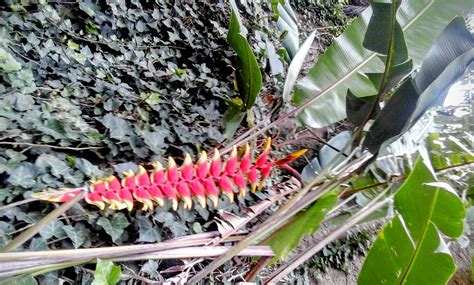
357 109
114 227
147 231
233 117
342 66
445 62
384 34
305 223
23 176
78 235
248 75
393 117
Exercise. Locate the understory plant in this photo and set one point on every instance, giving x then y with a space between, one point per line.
381 75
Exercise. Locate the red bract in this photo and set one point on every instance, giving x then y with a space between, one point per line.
203 180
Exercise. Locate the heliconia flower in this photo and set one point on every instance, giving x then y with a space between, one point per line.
289 158
170 193
156 194
262 159
95 199
252 176
143 196
245 161
211 191
187 168
239 181
184 194
231 165
216 164
113 199
112 183
265 172
173 172
98 185
129 181
142 177
207 178
202 166
126 197
158 176
226 187
197 190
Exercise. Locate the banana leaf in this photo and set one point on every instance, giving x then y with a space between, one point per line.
346 61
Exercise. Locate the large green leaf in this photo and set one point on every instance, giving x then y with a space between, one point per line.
445 62
296 65
346 61
305 223
410 249
248 75
286 22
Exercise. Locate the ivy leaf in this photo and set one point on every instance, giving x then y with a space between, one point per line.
115 227
53 229
118 127
77 235
23 176
21 280
147 231
106 273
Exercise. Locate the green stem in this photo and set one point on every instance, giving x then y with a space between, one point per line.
29 233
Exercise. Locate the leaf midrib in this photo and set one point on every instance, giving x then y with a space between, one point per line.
421 239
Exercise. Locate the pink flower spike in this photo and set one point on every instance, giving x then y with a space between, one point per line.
170 193
231 165
173 172
187 169
262 159
216 164
226 186
158 175
211 191
197 190
126 197
185 194
202 166
129 181
156 194
239 181
143 179
245 161
95 199
113 183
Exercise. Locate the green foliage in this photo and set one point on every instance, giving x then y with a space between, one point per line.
410 247
247 73
115 226
342 66
305 223
106 273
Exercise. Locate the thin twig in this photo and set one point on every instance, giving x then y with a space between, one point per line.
51 146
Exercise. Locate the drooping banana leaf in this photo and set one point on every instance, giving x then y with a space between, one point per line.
410 248
346 61
445 62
